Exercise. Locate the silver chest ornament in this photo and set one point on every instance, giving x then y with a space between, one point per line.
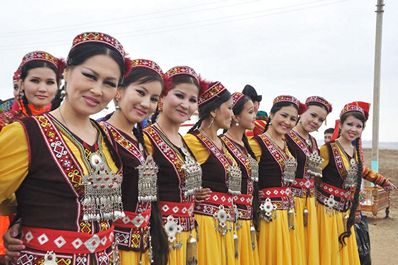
352 173
50 258
314 165
193 174
147 180
254 168
289 172
102 192
234 180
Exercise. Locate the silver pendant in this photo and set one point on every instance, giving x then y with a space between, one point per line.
221 217
254 167
193 174
147 180
102 192
289 172
314 165
352 174
266 210
50 258
330 203
234 180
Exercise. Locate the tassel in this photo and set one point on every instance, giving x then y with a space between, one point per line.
236 244
192 251
50 258
290 218
253 236
305 216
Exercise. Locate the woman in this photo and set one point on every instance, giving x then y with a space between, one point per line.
38 81
305 149
135 100
339 189
179 175
64 171
221 179
278 242
238 146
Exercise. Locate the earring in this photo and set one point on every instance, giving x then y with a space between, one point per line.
160 106
270 122
237 124
117 107
211 123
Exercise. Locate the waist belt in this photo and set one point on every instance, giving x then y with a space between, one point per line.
69 242
211 205
134 220
303 187
281 197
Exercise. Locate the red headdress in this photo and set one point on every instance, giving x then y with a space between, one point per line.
210 91
321 101
290 99
17 75
178 70
59 63
136 63
359 106
105 39
236 97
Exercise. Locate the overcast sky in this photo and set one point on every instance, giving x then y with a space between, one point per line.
297 47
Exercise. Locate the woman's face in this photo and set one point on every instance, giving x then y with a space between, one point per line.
180 102
352 128
15 89
92 84
40 86
313 118
138 101
223 115
284 119
247 117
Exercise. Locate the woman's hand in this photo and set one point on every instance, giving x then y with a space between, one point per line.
12 244
389 185
202 194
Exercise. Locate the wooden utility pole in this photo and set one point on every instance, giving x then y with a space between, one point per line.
376 87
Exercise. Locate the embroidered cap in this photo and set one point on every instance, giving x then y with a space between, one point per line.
358 106
210 91
99 37
146 64
236 97
181 70
59 63
16 76
319 100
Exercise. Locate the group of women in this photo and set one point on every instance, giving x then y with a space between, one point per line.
110 191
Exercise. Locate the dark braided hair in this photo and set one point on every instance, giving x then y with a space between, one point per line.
355 202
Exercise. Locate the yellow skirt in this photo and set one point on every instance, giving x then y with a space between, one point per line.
179 256
308 236
277 244
134 258
330 228
213 248
247 254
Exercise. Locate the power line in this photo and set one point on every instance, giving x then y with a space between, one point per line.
200 23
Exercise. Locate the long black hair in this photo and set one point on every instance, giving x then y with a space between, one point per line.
355 202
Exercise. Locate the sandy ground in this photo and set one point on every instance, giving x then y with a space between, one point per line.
384 232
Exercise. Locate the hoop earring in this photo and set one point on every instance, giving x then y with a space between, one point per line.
211 123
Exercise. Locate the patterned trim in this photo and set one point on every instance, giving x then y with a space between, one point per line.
242 156
67 242
303 187
181 70
276 154
169 154
352 107
146 64
176 209
211 204
338 160
132 239
40 56
211 92
287 98
282 197
220 156
319 100
236 96
125 143
99 37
